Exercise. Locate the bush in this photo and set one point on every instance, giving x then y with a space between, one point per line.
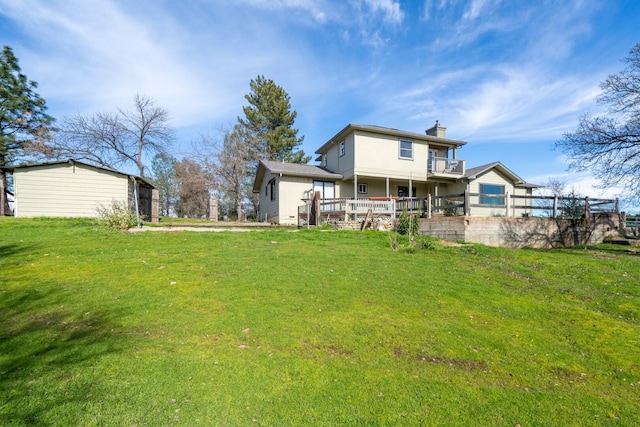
117 216
408 224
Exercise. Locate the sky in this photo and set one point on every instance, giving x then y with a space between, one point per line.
509 77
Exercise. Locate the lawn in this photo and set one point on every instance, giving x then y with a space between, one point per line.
313 327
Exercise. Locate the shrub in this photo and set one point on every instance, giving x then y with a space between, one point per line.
408 224
117 216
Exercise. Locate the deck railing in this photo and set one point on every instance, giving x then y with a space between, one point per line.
633 222
466 203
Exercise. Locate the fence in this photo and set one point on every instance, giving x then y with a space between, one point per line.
466 203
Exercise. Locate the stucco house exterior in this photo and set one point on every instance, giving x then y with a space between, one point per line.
75 189
370 162
282 186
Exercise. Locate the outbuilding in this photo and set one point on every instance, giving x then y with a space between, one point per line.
72 188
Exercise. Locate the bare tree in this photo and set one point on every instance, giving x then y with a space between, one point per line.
234 168
193 189
115 139
609 145
229 158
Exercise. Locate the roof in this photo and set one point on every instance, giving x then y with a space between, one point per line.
73 162
473 173
388 131
291 169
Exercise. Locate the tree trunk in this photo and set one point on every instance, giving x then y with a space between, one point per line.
4 204
239 201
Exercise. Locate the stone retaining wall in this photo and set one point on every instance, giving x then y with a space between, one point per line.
525 232
511 232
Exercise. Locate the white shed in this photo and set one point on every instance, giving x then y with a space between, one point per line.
75 189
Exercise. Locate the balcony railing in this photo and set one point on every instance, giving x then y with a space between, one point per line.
444 165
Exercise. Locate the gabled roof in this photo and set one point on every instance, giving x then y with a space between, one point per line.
388 131
475 172
76 162
290 169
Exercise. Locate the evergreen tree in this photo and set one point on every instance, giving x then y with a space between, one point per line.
164 179
268 123
23 118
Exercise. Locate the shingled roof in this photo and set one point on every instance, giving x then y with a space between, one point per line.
291 169
472 173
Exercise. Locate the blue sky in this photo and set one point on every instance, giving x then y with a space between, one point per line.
509 77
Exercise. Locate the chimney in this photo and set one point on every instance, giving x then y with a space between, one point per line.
437 131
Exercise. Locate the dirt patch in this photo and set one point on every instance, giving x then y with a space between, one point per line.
464 364
196 229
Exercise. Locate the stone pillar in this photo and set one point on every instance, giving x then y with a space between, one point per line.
155 206
213 210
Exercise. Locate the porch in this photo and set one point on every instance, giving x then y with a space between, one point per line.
317 212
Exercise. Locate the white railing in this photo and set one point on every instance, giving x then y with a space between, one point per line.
379 207
445 165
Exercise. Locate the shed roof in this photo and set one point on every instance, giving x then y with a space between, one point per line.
72 162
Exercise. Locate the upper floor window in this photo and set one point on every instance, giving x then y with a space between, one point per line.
323 163
363 188
406 149
342 149
492 194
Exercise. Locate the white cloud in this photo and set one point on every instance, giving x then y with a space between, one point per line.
315 8
390 9
477 7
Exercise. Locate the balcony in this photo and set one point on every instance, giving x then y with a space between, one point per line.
445 167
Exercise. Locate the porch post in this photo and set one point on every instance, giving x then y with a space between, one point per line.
428 206
555 205
355 186
410 190
467 203
387 187
508 200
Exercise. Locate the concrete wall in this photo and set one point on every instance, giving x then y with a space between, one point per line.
524 232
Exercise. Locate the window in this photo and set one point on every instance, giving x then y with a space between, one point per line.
342 149
326 189
406 149
272 188
363 188
492 194
324 160
404 192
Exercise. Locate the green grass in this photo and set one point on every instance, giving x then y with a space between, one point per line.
314 327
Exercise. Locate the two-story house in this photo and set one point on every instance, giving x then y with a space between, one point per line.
373 162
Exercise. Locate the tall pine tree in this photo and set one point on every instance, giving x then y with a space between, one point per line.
268 123
23 118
